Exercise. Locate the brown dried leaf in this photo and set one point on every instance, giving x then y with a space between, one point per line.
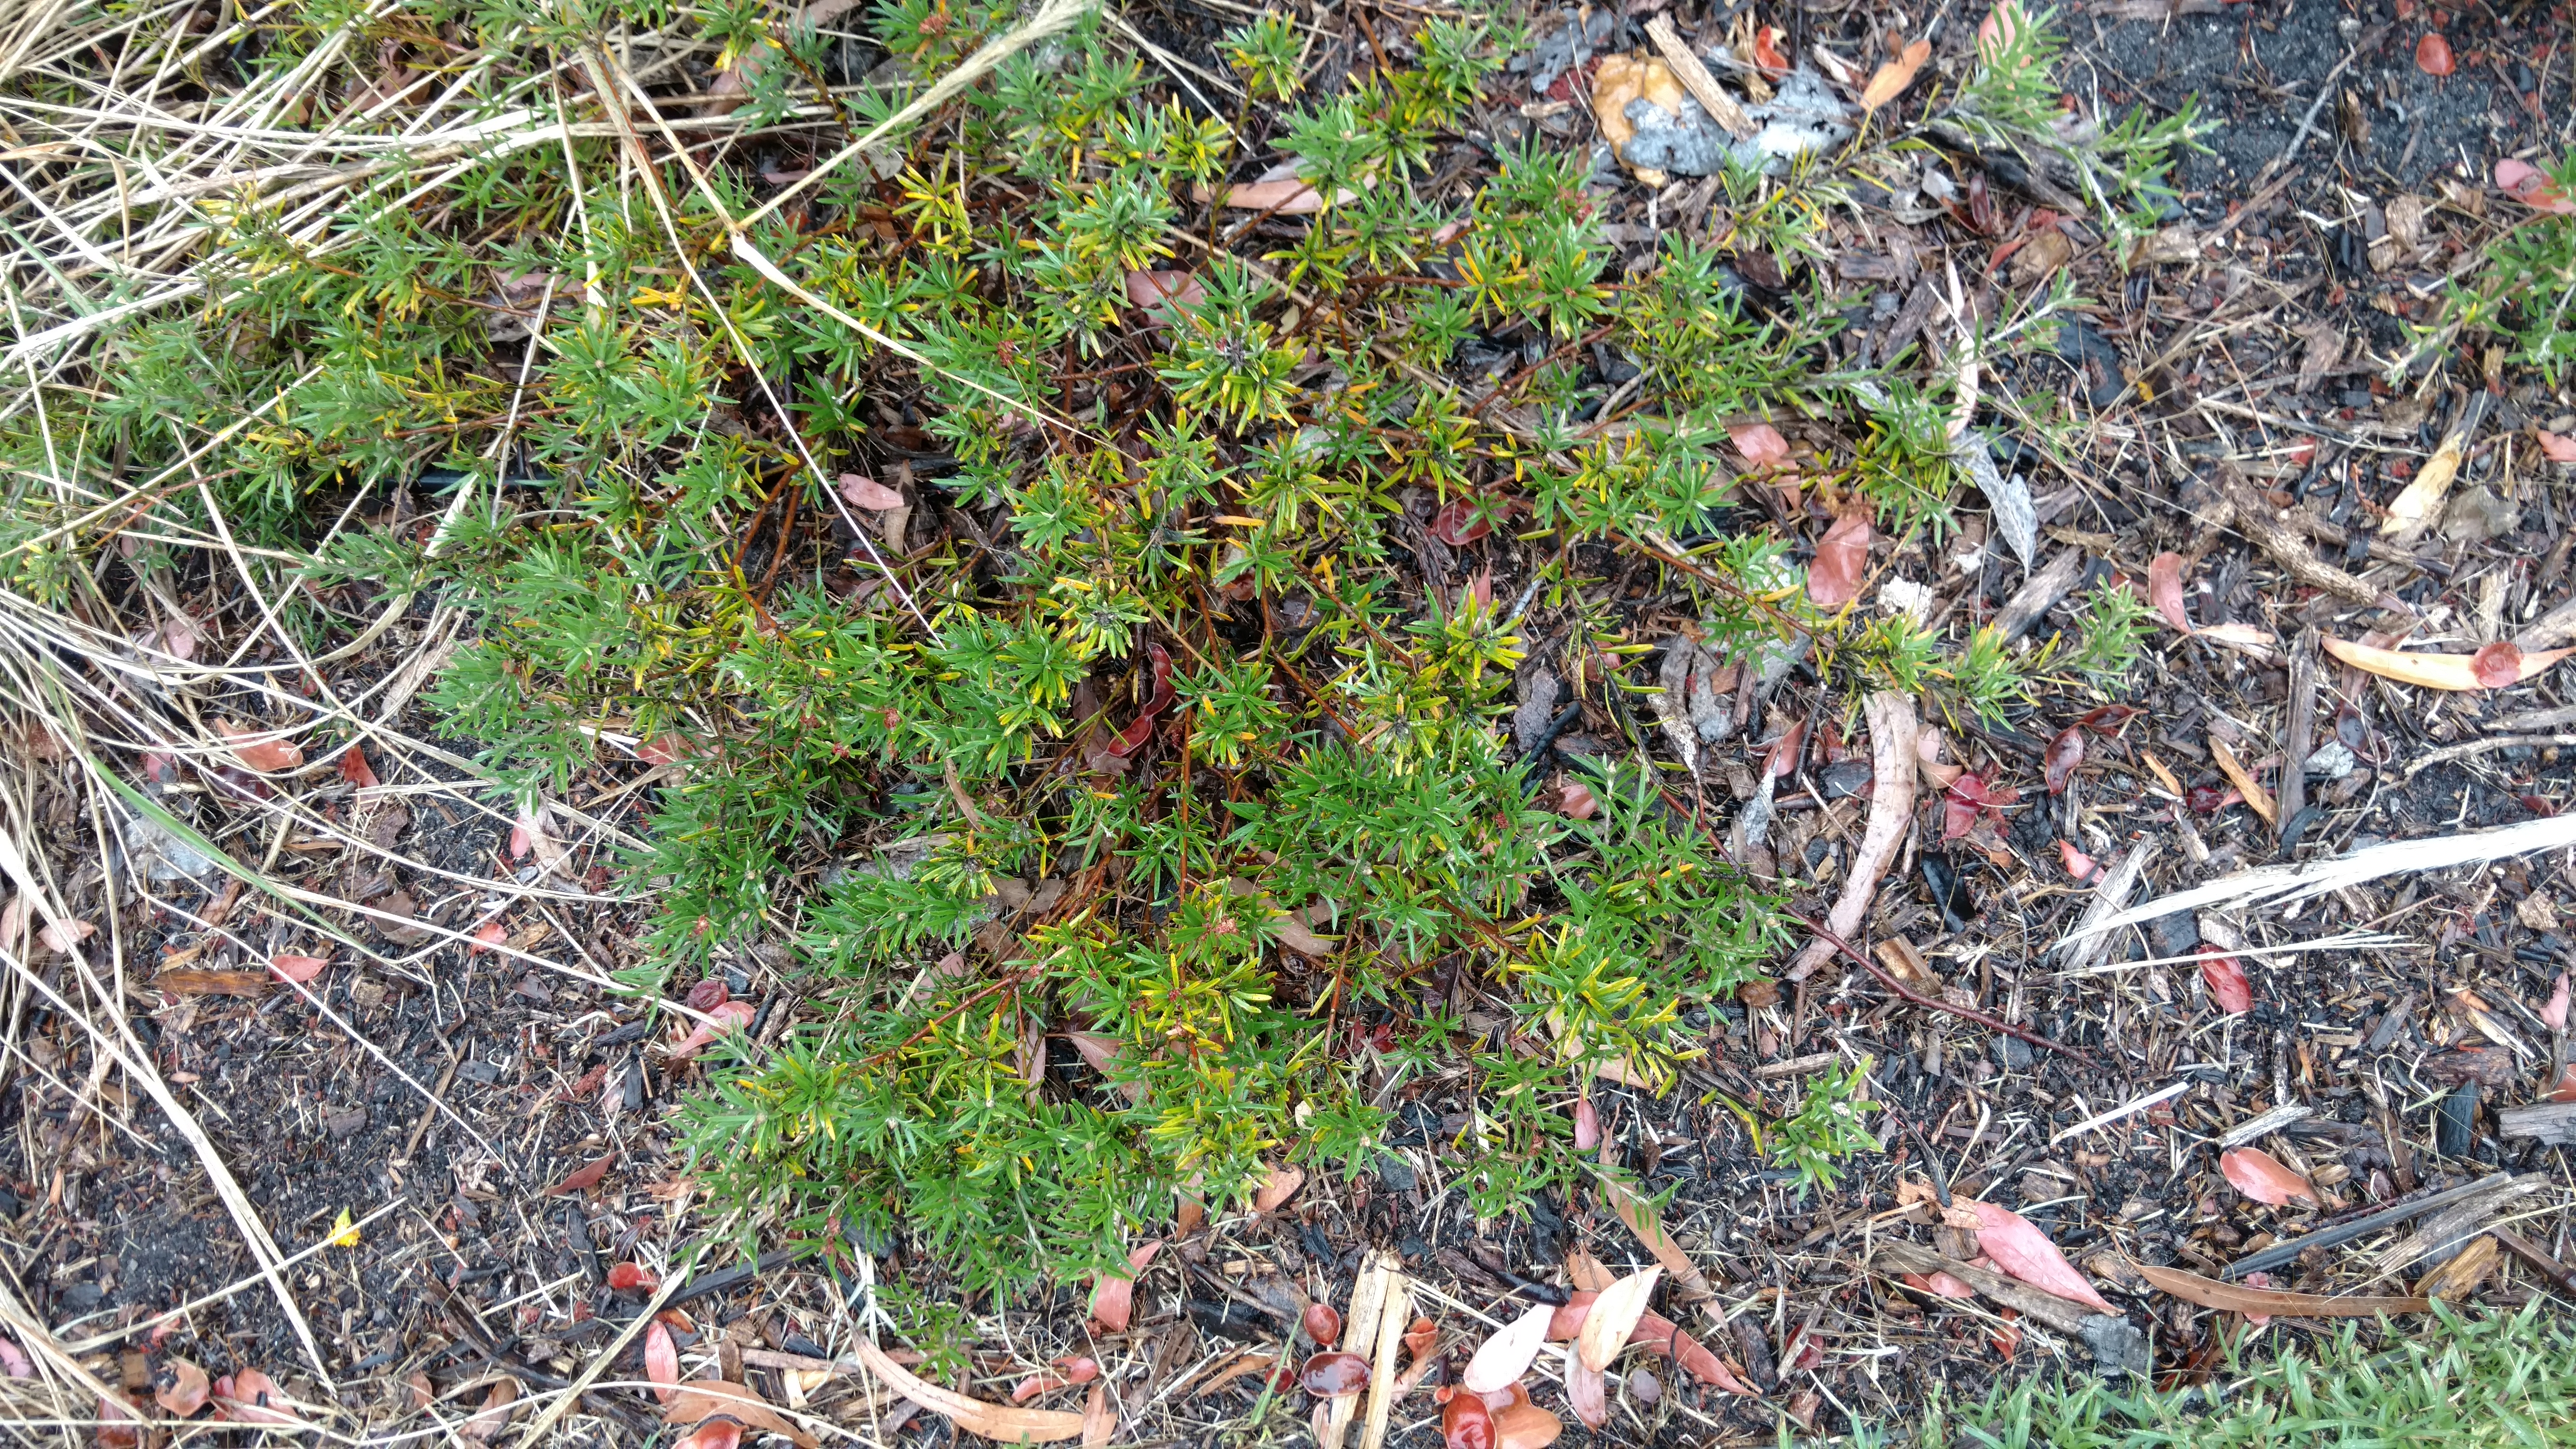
500 1403
992 1421
2243 779
1281 1185
1895 76
2229 1298
211 983
701 1399
2021 1250
186 1392
1614 1316
1842 558
661 1360
260 749
2436 671
2164 590
1113 1300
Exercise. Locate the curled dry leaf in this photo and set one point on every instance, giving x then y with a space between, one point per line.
2554 1015
355 769
2258 1176
259 749
2065 755
1466 1423
2164 590
723 1017
1892 723
298 969
1575 802
1460 522
1281 1185
2020 1249
2225 977
187 1390
486 936
699 1400
992 1421
661 1360
718 1433
2558 447
2443 671
1842 558
1614 1315
1893 77
2229 1298
1503 1357
1113 1300
632 1278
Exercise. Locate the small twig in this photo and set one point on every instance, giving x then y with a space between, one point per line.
1899 988
2468 748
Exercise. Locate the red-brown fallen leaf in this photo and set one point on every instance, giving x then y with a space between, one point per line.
2078 864
2226 980
2433 54
1098 1423
862 491
2021 1250
1287 196
1969 797
2558 447
1587 1125
1278 1187
1508 1352
723 1017
2554 1015
2164 590
699 1400
2258 1176
355 769
710 993
212 983
1942 1285
2497 665
1895 76
248 1396
187 1390
2532 187
2443 671
2001 25
2565 1090
494 1416
1526 1426
1113 1299
1460 522
14 1362
298 969
664 750
64 935
1575 801
1466 1423
486 936
1842 558
1761 444
1766 49
1419 1338
1653 1331
2065 755
260 749
118 1426
1163 293
661 1360
716 1433
632 1278
583 1179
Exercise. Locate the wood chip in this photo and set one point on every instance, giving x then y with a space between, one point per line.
1694 76
2257 798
